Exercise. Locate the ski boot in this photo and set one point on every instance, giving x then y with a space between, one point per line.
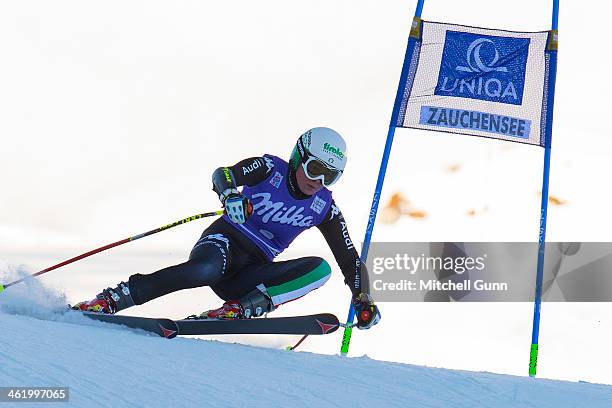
253 304
109 301
232 309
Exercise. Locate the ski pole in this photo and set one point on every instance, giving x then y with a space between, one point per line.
114 244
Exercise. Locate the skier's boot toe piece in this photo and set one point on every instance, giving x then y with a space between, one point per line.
232 309
101 304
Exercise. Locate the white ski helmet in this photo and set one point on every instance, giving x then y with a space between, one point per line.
322 153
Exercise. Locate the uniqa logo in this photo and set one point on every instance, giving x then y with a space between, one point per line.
474 55
278 212
493 67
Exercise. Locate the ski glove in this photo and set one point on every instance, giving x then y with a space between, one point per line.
366 311
237 207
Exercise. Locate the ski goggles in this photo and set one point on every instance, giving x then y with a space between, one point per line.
315 169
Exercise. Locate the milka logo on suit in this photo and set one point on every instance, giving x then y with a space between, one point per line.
279 212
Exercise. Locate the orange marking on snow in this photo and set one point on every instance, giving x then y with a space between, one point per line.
453 168
417 214
556 201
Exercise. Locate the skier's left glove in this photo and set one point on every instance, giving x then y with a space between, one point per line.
366 311
237 207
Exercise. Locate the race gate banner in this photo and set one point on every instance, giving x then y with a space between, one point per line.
479 82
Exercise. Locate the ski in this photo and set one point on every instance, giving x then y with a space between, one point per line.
323 323
163 327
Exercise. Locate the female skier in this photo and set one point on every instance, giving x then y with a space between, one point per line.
235 254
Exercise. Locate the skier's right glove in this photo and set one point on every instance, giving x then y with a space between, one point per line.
366 311
237 207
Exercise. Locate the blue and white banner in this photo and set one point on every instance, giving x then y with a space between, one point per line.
476 81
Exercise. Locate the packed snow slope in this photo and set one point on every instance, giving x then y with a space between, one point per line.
108 365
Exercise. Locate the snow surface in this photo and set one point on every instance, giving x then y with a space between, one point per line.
108 365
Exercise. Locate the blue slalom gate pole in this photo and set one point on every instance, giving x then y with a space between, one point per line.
346 338
535 333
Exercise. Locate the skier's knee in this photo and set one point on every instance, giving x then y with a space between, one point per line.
205 273
314 276
323 271
317 273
